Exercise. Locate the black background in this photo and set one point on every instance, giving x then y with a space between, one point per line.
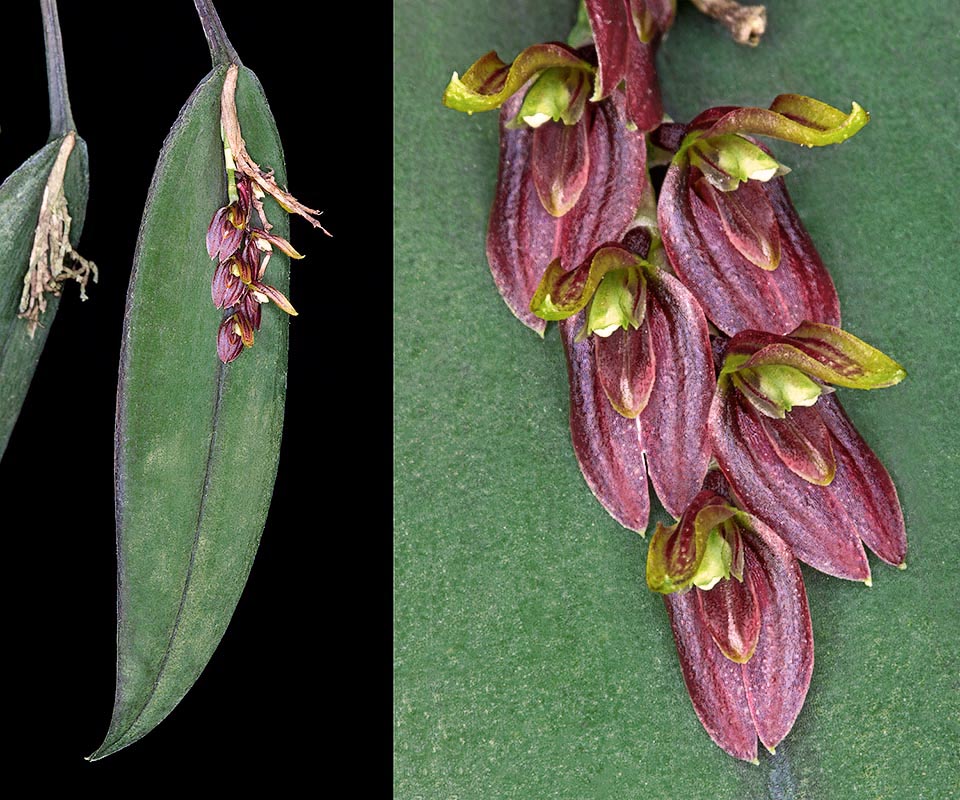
299 688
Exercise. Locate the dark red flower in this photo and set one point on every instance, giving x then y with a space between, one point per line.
792 457
736 601
728 225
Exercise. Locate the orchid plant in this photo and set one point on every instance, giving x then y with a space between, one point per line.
701 329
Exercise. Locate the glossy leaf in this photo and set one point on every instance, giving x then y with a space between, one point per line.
197 442
607 445
20 198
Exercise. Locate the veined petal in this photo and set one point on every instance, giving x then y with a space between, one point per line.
803 444
278 297
562 293
676 552
794 118
809 518
863 487
824 352
606 444
777 677
673 426
748 221
713 681
522 238
618 27
735 295
490 82
626 368
561 165
732 615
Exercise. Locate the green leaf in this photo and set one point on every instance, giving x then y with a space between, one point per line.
20 198
197 442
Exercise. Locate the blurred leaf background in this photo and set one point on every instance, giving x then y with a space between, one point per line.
530 659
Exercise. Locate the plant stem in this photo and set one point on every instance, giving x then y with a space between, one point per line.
221 51
61 117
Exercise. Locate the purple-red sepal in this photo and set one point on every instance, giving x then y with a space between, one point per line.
823 525
739 702
607 445
626 34
673 428
523 238
706 250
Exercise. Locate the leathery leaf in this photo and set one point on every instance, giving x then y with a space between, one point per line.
197 442
20 197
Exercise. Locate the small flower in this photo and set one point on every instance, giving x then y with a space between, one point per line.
737 605
572 173
791 455
642 340
728 225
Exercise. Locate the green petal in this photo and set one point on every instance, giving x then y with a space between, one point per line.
563 293
675 559
774 389
832 355
559 94
794 118
728 159
490 82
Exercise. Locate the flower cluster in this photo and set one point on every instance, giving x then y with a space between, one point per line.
242 252
240 248
701 327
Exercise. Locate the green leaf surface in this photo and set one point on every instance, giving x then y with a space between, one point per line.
530 660
197 442
20 198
